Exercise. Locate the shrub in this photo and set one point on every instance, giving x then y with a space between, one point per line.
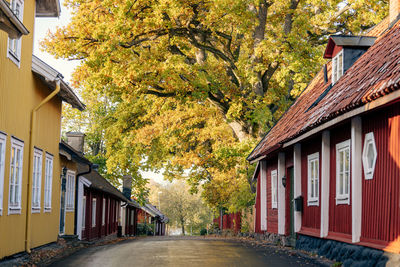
203 231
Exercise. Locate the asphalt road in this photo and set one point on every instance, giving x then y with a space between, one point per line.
182 252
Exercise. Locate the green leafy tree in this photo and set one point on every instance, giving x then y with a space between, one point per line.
193 84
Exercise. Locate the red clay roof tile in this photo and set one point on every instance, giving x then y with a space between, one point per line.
375 74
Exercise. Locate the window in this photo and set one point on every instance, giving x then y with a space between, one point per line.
369 156
274 189
37 179
343 173
103 215
16 163
3 139
14 45
70 191
83 212
337 67
313 179
48 182
94 212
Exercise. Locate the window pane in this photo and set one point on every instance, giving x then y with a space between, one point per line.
370 155
341 183
340 65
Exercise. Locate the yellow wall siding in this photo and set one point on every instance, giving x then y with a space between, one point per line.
20 92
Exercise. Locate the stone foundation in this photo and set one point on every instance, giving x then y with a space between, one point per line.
348 254
274 239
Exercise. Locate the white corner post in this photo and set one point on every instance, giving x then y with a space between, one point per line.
82 182
281 194
263 195
325 174
297 183
356 177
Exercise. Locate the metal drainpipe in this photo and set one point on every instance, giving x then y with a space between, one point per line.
76 196
32 136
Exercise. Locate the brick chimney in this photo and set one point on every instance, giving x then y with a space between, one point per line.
394 10
127 186
76 140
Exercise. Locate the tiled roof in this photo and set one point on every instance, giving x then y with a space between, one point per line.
100 183
375 74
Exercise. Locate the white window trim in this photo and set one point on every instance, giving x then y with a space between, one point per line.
70 192
312 201
15 143
369 171
16 58
48 182
343 198
274 189
83 212
37 153
335 66
94 207
3 142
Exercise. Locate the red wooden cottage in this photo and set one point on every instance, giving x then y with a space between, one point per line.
101 206
129 209
330 167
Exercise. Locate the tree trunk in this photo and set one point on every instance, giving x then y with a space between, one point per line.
183 228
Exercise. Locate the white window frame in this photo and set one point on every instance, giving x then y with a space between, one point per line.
369 170
70 191
3 144
15 56
36 180
94 206
343 198
336 73
274 189
313 182
103 216
14 200
48 182
83 212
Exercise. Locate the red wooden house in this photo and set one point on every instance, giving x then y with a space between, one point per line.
101 206
330 167
129 209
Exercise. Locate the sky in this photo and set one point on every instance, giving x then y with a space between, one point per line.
65 67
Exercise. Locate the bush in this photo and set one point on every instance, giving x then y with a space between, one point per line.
203 231
144 229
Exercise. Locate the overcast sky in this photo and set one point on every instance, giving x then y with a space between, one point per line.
65 67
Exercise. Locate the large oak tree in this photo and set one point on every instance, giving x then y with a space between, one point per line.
203 79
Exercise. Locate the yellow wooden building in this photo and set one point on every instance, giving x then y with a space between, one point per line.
31 95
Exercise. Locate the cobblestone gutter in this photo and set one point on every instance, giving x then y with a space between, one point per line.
47 254
349 255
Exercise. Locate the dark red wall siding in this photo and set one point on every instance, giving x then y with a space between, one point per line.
381 195
311 215
99 230
339 215
272 214
258 214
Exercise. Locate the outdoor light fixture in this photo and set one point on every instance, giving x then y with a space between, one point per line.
284 181
64 171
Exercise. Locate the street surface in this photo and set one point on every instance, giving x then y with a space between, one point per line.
169 251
